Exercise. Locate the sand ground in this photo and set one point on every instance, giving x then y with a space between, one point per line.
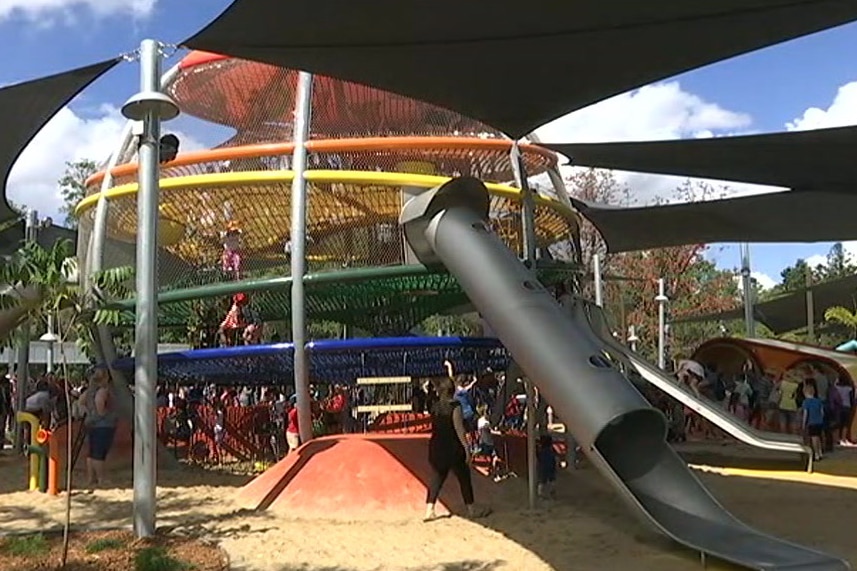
586 527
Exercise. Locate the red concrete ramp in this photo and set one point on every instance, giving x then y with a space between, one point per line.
372 476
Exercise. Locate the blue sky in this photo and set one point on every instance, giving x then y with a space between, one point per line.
760 92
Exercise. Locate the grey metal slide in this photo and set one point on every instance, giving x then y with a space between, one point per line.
622 435
586 312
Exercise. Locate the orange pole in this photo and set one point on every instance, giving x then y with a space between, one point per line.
54 464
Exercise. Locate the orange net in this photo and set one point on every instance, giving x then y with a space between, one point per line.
352 221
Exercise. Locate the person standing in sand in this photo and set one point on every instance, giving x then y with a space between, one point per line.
100 423
449 450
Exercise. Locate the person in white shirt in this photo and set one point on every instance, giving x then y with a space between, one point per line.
40 403
486 441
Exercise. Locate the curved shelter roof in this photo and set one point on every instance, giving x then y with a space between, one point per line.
26 107
821 159
334 361
510 65
791 216
772 354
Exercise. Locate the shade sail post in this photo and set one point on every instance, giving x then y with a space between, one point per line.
747 286
662 300
303 116
810 307
31 234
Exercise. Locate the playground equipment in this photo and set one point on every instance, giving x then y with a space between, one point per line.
369 151
42 470
709 410
373 155
620 433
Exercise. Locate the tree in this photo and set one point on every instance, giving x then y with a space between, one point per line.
839 265
73 187
48 272
694 285
842 316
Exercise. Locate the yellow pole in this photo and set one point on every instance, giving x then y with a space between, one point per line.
34 423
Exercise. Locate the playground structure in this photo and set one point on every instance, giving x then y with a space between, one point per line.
223 232
369 151
43 453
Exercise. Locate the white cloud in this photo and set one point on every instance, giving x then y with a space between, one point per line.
68 137
764 280
662 111
655 112
842 112
39 10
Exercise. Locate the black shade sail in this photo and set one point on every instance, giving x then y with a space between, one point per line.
512 65
802 160
791 216
26 107
788 313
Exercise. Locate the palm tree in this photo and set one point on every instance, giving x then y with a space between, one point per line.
43 282
842 316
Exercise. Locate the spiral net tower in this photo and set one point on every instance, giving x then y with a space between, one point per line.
368 152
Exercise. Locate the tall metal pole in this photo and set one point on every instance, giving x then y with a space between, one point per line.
747 286
146 333
528 228
303 116
662 323
810 307
528 206
50 344
596 271
22 372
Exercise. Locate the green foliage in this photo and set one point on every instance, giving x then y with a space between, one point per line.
155 558
842 316
48 275
452 325
26 545
73 188
104 544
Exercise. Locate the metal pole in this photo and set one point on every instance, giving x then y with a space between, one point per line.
596 271
532 475
50 348
810 307
528 207
747 286
662 318
303 113
528 228
22 372
146 333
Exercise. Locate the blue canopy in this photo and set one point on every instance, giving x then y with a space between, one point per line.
334 361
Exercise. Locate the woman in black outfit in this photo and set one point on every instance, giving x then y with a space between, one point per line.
449 450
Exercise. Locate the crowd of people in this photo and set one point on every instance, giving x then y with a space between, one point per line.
813 400
52 401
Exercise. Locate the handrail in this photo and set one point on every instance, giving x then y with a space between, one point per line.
313 176
331 146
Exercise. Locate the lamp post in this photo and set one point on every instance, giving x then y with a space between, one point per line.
632 337
150 107
596 273
50 338
662 300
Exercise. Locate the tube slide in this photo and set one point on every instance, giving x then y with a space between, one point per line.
584 312
621 434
